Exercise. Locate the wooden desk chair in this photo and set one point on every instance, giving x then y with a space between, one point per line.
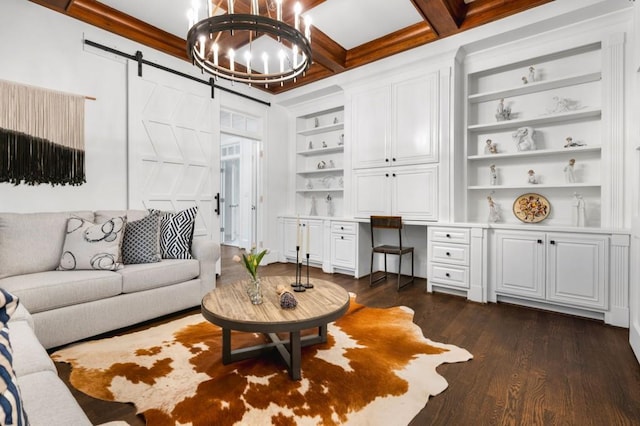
389 222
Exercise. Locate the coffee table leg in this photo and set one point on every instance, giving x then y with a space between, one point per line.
226 346
295 354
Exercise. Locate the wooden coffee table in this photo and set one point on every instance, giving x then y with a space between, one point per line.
229 307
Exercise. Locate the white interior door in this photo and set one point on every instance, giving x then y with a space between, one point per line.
173 146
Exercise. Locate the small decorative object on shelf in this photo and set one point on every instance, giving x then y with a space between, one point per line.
493 175
569 176
563 105
322 164
523 138
524 80
324 144
578 210
316 122
314 207
531 208
326 181
341 182
330 208
494 210
533 178
251 262
335 120
503 112
287 299
490 147
331 164
570 143
341 140
309 184
310 144
532 74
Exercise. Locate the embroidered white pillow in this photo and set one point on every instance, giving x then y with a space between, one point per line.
92 246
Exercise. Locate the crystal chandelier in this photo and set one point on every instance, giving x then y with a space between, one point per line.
214 42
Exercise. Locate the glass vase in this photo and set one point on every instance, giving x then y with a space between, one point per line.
254 290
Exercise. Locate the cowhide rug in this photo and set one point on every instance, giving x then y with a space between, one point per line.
376 368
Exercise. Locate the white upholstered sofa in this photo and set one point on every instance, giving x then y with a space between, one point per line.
62 306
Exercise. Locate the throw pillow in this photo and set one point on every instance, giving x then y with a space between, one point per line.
141 242
11 409
91 246
176 233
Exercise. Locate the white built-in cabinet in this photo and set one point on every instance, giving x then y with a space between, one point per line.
559 268
304 233
395 139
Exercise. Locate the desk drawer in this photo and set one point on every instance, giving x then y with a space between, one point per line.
450 253
449 235
344 227
455 276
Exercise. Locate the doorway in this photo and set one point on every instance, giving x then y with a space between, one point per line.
238 191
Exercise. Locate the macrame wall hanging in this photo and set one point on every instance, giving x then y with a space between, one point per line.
41 136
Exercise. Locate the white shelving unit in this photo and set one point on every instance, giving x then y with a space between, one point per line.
320 162
538 105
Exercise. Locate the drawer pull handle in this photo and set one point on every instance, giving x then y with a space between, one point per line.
447 275
448 254
539 241
342 227
342 237
552 242
448 235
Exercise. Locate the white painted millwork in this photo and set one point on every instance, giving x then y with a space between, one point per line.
634 290
308 235
173 146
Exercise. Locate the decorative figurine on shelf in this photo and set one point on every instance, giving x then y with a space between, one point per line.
523 138
569 176
524 80
493 175
533 179
309 184
335 120
503 112
330 208
578 210
341 140
324 144
494 210
341 182
331 164
314 207
316 122
310 144
287 299
563 105
570 143
326 181
490 147
532 74
322 164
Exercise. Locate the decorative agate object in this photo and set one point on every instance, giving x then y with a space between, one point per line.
287 299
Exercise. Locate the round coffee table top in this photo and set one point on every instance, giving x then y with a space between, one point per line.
229 306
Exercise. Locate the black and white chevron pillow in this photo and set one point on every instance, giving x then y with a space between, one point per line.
176 233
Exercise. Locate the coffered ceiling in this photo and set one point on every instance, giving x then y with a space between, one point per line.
345 34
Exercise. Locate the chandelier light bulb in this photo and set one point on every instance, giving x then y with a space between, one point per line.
202 39
265 61
232 57
296 19
215 48
247 59
307 27
279 10
230 7
281 55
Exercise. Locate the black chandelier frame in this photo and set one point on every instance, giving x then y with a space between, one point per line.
211 27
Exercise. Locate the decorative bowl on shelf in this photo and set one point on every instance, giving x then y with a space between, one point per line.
531 208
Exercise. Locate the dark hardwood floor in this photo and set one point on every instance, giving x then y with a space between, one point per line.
530 367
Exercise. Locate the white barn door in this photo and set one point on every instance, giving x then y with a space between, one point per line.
174 146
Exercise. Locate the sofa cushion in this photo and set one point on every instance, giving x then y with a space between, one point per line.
8 305
176 233
101 216
32 242
54 289
11 406
30 356
152 275
92 246
141 242
48 401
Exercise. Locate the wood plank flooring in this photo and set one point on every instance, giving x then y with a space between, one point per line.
530 367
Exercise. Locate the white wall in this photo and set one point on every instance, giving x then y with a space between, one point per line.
62 62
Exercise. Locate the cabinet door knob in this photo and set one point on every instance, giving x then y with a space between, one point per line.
539 241
552 242
447 274
394 175
342 227
393 159
448 254
386 159
386 174
448 235
342 237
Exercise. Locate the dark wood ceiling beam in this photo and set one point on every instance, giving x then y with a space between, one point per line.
57 5
443 16
482 12
399 41
327 52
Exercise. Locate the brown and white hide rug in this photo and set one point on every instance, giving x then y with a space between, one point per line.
375 369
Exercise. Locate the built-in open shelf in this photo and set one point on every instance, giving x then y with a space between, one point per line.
536 121
536 153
